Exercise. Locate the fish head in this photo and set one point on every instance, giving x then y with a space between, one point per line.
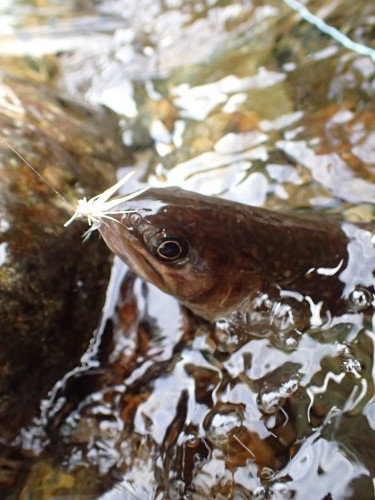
185 244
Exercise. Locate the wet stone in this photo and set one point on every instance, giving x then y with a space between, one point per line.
51 284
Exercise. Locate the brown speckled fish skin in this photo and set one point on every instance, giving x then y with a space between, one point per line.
236 252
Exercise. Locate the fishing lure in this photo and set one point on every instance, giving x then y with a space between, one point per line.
93 209
102 207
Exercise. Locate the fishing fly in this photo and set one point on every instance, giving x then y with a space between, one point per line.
94 209
102 206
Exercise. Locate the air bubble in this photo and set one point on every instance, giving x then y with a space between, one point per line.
259 493
351 365
291 343
266 474
223 422
360 299
344 351
270 401
282 492
228 336
192 440
291 386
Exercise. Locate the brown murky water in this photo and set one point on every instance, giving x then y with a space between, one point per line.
247 101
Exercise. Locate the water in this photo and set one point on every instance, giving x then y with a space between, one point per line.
246 101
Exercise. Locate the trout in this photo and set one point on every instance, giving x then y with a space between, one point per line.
220 258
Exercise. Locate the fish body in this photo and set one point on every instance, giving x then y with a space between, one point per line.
219 257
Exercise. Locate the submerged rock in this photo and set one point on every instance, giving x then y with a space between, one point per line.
51 285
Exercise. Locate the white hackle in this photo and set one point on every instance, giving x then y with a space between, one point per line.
101 207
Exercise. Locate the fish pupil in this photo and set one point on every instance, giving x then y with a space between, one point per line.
171 249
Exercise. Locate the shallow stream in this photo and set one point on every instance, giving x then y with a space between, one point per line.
248 101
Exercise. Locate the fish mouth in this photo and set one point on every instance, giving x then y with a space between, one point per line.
128 245
149 272
139 264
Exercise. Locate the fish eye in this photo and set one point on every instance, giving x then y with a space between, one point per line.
171 249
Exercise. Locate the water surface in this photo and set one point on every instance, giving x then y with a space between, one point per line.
247 101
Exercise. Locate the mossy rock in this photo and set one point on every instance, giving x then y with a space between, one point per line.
52 285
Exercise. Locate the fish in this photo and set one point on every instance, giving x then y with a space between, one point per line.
223 259
226 260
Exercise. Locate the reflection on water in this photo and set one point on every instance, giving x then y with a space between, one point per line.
247 101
